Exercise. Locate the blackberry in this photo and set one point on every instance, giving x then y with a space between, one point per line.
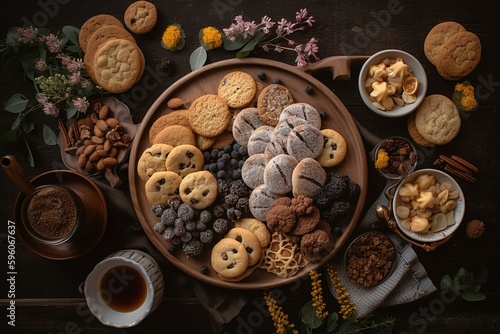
221 226
243 150
176 241
218 211
168 216
171 249
353 192
203 269
205 216
195 234
192 248
322 114
223 187
190 225
308 89
338 210
160 227
168 234
221 175
201 226
214 153
233 214
242 204
221 165
179 222
236 174
157 209
231 199
261 75
277 81
179 231
186 237
337 230
185 212
239 188
207 236
174 202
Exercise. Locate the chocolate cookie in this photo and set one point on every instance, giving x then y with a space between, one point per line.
306 223
259 138
260 201
245 122
304 111
316 245
252 171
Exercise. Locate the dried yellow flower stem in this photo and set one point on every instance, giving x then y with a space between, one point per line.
347 308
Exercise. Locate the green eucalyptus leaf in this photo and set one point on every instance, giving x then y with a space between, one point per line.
446 283
308 316
71 112
472 296
31 159
482 276
72 34
74 49
27 127
250 46
49 136
28 64
332 322
16 104
237 44
10 138
198 58
12 36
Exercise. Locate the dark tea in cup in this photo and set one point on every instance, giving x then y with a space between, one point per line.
123 288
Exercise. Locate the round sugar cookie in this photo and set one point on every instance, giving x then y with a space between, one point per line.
209 115
437 36
459 55
237 88
94 23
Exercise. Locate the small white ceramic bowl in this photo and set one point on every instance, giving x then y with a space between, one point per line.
459 210
418 72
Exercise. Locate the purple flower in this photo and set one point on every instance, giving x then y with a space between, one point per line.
26 35
74 78
41 65
81 104
53 43
49 108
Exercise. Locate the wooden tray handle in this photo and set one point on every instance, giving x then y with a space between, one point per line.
426 247
340 66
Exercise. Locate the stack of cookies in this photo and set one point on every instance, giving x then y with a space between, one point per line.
453 50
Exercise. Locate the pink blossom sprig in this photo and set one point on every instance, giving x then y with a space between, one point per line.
247 35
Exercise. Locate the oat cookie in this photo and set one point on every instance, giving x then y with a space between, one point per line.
272 100
304 141
204 143
162 186
198 189
249 240
153 160
185 159
459 56
334 149
118 65
225 138
437 119
209 115
437 36
256 227
245 122
94 23
175 135
229 258
303 110
237 88
176 117
140 17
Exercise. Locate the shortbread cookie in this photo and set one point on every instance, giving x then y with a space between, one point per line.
176 117
334 148
278 174
303 110
245 122
249 240
459 55
99 37
229 258
153 160
204 143
308 177
162 186
259 139
140 17
437 119
284 127
415 135
252 171
185 159
256 227
437 36
198 189
272 100
94 23
118 65
237 88
260 201
175 135
209 115
304 141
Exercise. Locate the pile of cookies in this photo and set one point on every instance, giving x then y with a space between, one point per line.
112 57
452 49
435 122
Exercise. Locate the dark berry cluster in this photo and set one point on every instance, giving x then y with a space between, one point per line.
233 201
226 163
183 226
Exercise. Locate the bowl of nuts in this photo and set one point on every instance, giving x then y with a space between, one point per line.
370 259
429 205
392 83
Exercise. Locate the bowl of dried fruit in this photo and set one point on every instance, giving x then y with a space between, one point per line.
392 83
429 205
370 259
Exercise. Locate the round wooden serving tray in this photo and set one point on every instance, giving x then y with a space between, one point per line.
205 81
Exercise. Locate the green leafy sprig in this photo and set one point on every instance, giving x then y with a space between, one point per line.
465 284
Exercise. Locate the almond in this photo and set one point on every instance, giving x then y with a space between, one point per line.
112 122
98 155
82 160
101 124
97 131
89 167
110 162
100 165
103 112
175 102
89 149
80 150
97 140
107 145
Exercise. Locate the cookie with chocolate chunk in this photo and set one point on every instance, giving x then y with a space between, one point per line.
198 189
272 100
185 159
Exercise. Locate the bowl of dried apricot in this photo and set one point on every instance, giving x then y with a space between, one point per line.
392 83
429 205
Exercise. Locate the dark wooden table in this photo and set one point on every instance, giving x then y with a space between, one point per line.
47 296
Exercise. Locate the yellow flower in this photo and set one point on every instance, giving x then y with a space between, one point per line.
468 102
173 37
464 96
382 160
280 319
317 294
210 38
347 308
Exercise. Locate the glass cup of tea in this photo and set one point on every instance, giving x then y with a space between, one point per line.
124 288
